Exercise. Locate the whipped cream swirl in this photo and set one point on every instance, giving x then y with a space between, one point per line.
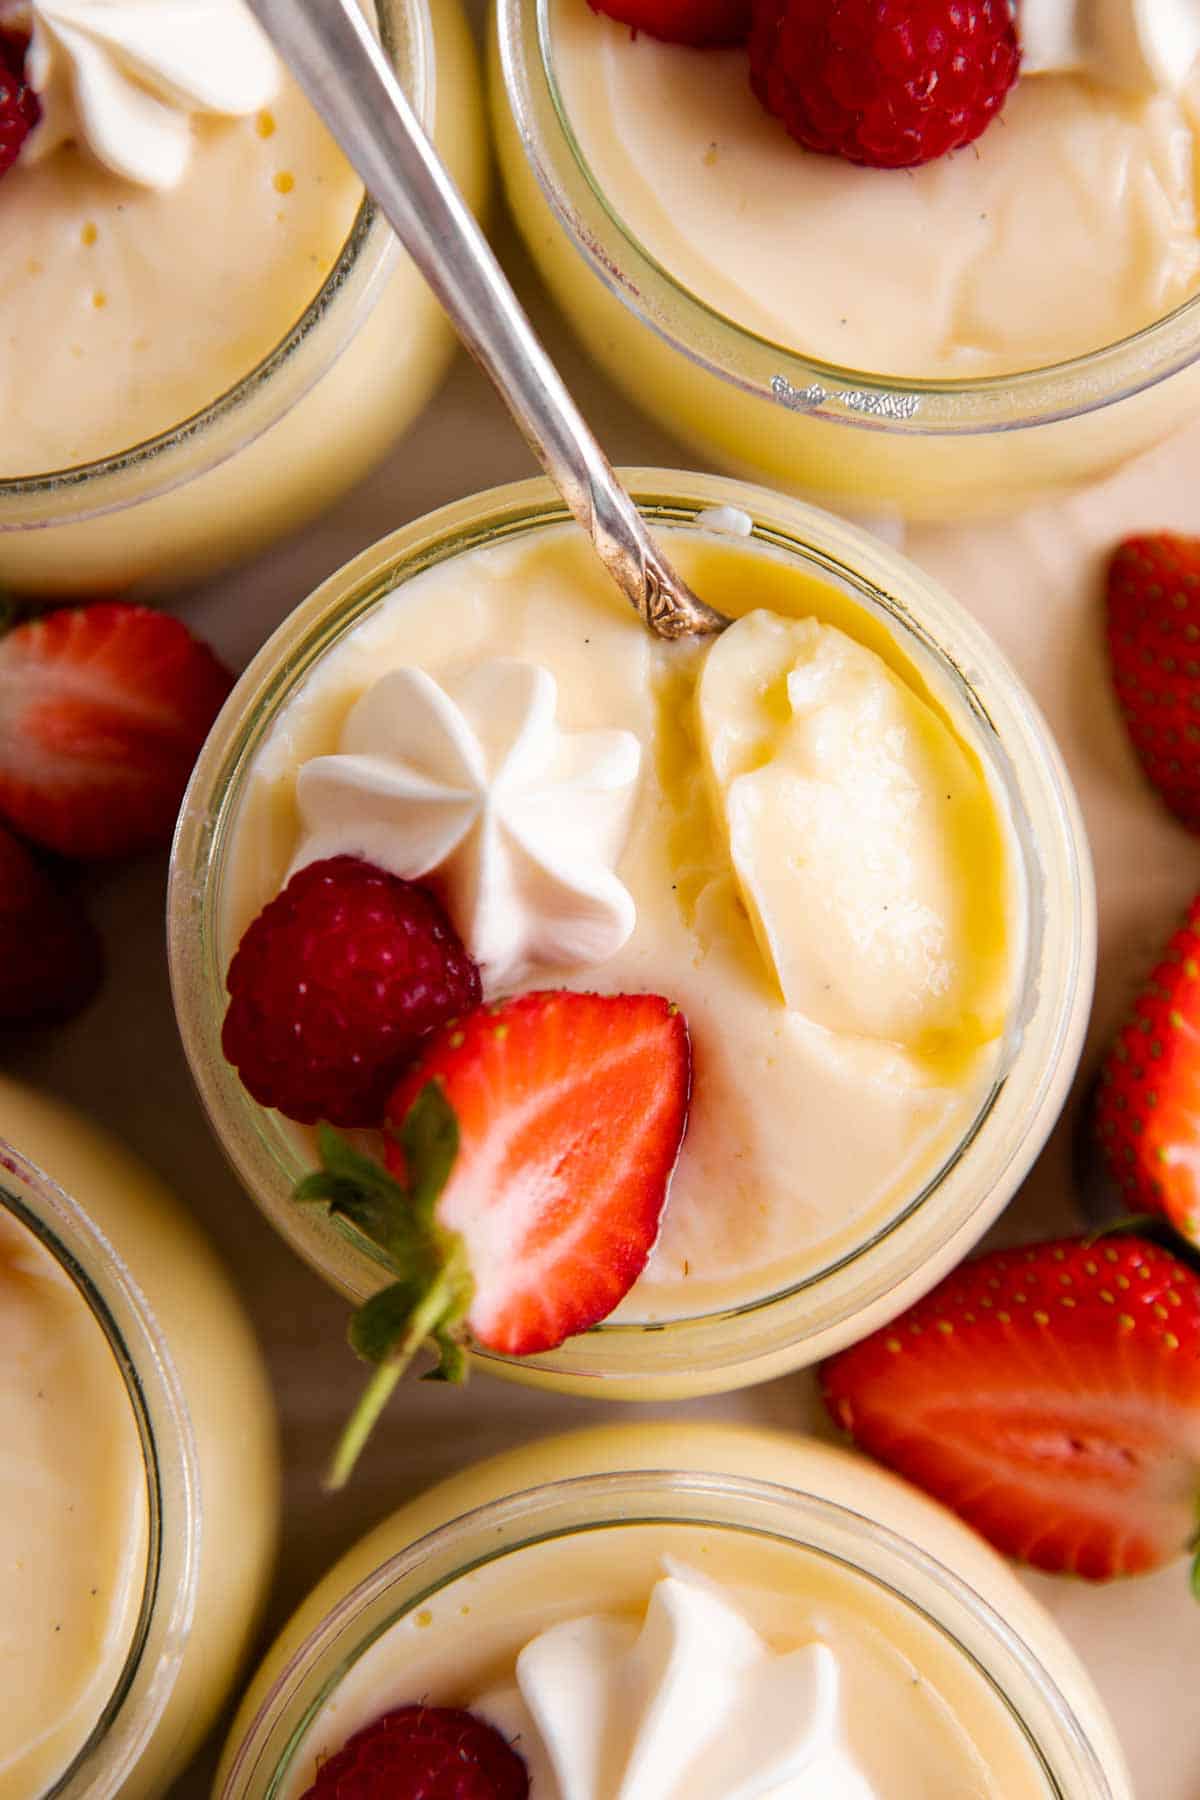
475 783
693 1705
124 77
1143 45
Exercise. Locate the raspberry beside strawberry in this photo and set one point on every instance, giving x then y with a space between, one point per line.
19 106
423 1753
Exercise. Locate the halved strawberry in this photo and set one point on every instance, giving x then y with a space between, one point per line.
533 1149
50 956
1147 1112
1051 1396
1154 648
103 710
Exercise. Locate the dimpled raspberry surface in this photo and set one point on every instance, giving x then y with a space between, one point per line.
424 1753
882 83
335 985
19 109
704 24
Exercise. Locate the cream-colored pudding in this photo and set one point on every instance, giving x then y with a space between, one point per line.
129 312
74 1502
826 884
124 309
909 1709
1071 223
73 1516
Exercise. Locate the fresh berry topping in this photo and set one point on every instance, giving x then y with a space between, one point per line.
424 1753
1051 1396
19 108
1147 1110
882 82
102 712
50 957
704 24
335 985
1154 647
571 1109
531 1151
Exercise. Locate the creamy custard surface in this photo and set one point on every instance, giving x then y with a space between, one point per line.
124 310
1073 222
919 1720
73 1517
805 1137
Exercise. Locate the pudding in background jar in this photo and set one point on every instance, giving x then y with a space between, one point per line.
685 1609
972 334
858 878
140 1501
204 334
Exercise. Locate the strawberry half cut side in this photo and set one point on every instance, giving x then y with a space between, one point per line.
1051 1397
530 1157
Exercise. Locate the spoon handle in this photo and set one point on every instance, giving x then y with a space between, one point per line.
335 57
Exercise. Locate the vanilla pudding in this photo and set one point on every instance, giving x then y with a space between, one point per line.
671 1634
929 313
853 990
224 265
73 1517
140 1501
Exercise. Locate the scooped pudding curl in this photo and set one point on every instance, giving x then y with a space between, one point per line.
747 917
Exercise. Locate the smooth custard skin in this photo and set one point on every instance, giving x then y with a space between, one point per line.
802 1140
123 310
73 1517
1072 222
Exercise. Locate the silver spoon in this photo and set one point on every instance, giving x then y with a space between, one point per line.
337 61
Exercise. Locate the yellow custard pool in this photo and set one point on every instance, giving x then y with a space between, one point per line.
879 1653
188 372
968 335
140 1500
858 983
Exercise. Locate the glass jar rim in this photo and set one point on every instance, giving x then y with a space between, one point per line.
132 1711
1047 1021
355 281
720 346
640 1496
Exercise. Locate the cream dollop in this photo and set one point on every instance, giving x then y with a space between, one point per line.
1143 45
691 1705
475 781
123 77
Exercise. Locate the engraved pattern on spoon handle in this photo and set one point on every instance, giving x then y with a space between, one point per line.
337 61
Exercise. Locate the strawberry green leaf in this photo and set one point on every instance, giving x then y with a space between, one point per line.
452 1360
381 1324
429 1139
353 1187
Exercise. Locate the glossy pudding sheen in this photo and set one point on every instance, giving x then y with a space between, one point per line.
73 1517
607 1656
1071 223
124 310
823 873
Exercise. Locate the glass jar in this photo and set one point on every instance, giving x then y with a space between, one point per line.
934 1228
736 1486
847 437
308 422
199 1396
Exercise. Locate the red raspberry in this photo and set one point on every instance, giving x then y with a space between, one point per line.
335 985
880 82
705 24
19 108
424 1753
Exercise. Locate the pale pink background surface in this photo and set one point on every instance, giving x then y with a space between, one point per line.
1035 583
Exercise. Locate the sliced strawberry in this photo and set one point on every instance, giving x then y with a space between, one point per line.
1051 1396
1154 649
1147 1111
571 1109
102 712
423 1753
50 957
531 1153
